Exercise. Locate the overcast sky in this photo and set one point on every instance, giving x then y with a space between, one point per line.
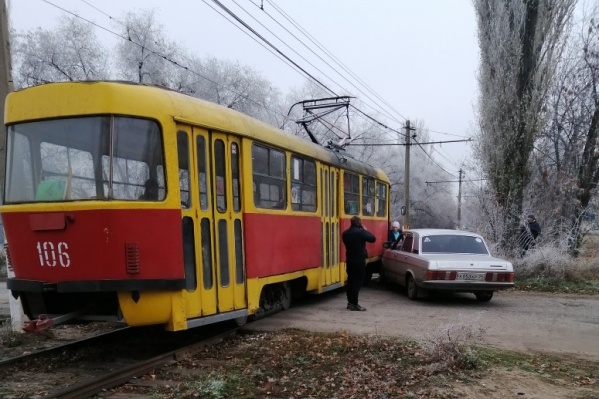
421 57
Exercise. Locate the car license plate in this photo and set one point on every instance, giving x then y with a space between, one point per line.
471 276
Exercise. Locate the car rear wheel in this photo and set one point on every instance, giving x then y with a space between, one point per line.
484 296
411 288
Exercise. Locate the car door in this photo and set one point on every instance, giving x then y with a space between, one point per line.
404 259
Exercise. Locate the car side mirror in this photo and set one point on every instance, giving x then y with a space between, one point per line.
386 244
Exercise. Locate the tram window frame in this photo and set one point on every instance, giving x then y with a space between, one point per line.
368 196
235 182
184 175
351 193
117 169
304 195
220 175
202 172
381 199
269 166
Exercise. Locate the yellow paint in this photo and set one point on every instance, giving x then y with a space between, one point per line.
197 118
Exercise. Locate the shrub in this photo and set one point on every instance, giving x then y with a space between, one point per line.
452 347
544 262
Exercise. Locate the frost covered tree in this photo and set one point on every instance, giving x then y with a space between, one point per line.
568 151
67 53
520 42
147 55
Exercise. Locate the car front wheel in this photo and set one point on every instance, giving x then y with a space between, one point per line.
411 288
484 296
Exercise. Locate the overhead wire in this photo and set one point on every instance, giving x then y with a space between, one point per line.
433 160
330 55
333 57
243 23
253 31
277 53
158 54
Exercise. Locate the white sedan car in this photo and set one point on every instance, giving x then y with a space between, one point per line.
450 260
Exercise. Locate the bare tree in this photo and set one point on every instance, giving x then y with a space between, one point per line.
520 42
70 52
568 152
147 56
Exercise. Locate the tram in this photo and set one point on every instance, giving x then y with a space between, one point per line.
142 205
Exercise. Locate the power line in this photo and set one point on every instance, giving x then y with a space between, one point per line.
232 14
128 39
333 57
432 159
330 55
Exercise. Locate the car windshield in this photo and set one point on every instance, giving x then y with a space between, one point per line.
453 244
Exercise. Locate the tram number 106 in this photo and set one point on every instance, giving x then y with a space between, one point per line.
50 254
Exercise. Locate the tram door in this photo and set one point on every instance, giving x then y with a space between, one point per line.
326 225
225 151
219 240
334 225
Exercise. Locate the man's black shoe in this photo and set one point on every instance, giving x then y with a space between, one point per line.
356 308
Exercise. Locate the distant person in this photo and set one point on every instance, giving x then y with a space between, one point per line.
150 191
355 239
395 235
529 232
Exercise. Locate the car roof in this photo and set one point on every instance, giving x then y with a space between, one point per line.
437 232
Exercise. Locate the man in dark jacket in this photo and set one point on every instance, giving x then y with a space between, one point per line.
355 239
528 234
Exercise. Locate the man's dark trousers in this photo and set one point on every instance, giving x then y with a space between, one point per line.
355 276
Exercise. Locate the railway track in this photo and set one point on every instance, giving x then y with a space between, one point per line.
85 368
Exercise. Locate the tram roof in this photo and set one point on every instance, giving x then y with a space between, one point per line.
67 99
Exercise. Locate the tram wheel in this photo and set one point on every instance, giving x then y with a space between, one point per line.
286 296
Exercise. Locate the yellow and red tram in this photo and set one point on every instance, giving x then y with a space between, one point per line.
139 204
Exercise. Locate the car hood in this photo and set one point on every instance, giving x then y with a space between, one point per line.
464 261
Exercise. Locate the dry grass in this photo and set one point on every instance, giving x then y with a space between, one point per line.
551 268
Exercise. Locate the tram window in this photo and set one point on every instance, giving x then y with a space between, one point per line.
381 197
206 253
270 180
189 259
66 168
184 183
137 155
367 196
351 193
303 185
223 250
103 157
19 168
239 270
220 176
202 174
235 177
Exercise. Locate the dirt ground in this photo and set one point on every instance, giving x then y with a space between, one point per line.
522 321
565 325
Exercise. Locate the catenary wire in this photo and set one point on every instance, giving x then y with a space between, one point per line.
330 55
333 57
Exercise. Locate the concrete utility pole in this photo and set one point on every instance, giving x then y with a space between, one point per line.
6 86
406 217
461 173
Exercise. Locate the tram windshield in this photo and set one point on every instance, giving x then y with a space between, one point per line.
89 158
